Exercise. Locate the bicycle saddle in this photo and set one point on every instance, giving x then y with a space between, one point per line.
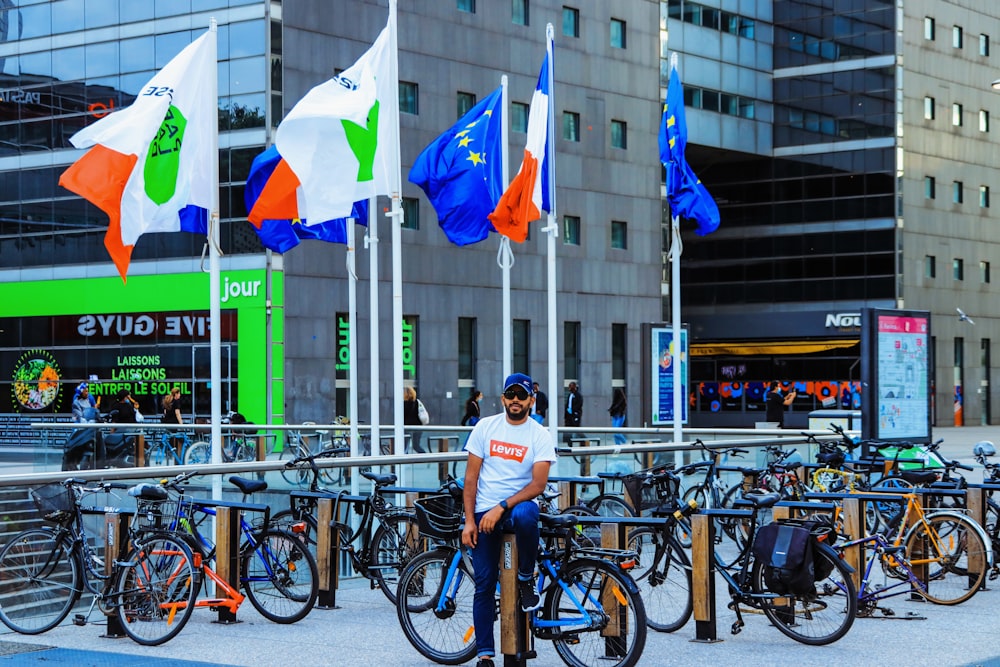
919 476
380 480
147 491
759 500
984 448
558 520
248 486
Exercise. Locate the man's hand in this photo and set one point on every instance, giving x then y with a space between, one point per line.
490 519
470 534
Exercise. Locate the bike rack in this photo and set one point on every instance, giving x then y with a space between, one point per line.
569 492
115 549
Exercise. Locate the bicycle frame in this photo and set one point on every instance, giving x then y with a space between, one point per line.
883 551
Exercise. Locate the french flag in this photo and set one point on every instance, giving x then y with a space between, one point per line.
529 193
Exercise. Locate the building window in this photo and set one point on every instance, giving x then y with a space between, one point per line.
619 354
929 28
958 269
956 115
521 346
571 354
984 45
571 21
467 351
956 36
571 126
984 271
467 6
408 97
984 120
519 117
465 103
619 134
984 196
930 266
519 12
619 234
617 33
571 229
928 108
411 212
929 187
957 195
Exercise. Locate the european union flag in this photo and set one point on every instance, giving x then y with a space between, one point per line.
283 235
460 172
687 196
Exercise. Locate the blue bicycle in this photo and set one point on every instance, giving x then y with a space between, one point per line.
592 611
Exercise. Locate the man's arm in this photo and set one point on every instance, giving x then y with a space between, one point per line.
531 490
470 532
790 397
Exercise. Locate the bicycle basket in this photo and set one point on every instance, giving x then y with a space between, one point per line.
649 489
157 516
439 516
55 502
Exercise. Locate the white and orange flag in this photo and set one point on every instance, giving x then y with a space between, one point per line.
150 166
528 194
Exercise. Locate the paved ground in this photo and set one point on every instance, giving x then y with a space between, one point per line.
364 631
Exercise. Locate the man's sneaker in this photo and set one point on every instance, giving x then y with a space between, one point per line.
485 661
529 595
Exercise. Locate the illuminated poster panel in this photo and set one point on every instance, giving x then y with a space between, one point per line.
663 356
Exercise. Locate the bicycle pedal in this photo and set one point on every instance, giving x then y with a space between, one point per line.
79 619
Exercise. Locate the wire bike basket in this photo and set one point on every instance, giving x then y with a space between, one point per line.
652 489
160 516
439 517
55 502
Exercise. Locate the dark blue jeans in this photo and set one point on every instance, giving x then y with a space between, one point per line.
486 563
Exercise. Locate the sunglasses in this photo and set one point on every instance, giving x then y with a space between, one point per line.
516 393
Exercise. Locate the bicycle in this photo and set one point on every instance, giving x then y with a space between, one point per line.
991 475
592 611
47 569
382 551
164 452
298 445
277 572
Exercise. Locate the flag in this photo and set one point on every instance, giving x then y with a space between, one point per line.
337 142
284 234
528 194
687 196
461 172
151 166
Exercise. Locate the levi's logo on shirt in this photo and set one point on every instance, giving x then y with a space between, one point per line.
507 450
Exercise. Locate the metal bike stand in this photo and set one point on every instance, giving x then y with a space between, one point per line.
517 644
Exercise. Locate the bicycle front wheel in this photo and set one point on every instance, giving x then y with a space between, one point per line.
613 631
156 590
663 574
948 555
435 611
822 616
394 544
40 581
199 452
280 577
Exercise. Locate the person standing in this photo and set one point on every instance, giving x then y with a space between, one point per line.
411 416
540 406
123 409
618 412
508 467
471 417
84 406
776 404
574 409
172 414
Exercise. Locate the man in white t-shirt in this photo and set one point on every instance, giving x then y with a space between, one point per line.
509 459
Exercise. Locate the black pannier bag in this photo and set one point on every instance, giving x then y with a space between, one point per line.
787 553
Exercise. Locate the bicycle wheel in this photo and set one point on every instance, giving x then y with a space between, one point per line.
613 632
40 581
435 612
284 520
299 475
881 515
940 550
395 543
198 452
280 577
608 504
821 617
585 536
663 574
156 591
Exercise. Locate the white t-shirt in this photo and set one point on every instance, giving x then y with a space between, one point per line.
509 453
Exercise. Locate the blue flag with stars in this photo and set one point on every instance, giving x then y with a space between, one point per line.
460 172
283 235
687 196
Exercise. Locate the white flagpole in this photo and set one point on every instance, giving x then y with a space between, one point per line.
505 256
396 214
676 248
352 354
214 291
371 243
552 228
